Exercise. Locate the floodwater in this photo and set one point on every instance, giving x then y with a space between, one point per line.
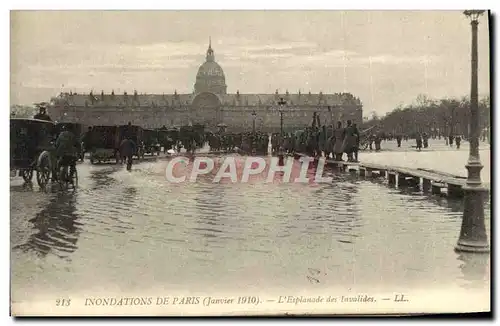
134 231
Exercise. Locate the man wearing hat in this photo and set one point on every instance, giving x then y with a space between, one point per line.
42 114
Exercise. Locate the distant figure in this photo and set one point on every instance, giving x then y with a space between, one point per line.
371 139
378 142
127 151
419 142
338 142
425 140
458 139
321 141
351 134
42 114
179 146
450 140
356 148
398 140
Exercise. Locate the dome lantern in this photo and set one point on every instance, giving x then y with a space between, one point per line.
210 52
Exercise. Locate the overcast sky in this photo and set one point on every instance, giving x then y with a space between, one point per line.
384 58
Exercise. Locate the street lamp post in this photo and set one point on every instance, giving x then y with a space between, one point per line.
281 155
281 104
254 115
473 232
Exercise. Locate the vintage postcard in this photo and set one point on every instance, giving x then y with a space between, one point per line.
222 163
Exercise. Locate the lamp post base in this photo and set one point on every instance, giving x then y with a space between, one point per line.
473 232
472 248
281 157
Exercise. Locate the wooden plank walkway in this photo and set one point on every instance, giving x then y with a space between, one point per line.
429 180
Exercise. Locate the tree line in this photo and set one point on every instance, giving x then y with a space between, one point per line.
22 111
442 117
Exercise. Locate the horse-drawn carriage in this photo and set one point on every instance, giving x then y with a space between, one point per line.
32 149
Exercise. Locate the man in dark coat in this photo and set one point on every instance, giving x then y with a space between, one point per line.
398 139
127 151
356 148
350 140
458 140
42 114
67 149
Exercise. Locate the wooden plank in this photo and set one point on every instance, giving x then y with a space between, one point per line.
428 174
330 161
420 174
442 173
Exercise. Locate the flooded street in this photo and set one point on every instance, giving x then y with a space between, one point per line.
134 231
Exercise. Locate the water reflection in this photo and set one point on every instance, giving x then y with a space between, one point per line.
336 204
358 232
475 270
209 205
102 178
57 228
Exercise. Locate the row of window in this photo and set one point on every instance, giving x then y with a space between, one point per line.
187 105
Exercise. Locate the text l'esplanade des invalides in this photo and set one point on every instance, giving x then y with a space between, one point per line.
209 104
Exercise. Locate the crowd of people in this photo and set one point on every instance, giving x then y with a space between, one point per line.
313 141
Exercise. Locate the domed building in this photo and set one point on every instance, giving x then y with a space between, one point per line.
209 104
210 77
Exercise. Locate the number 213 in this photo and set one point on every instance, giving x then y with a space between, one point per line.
63 302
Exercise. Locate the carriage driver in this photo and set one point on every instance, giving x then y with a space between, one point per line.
42 114
67 148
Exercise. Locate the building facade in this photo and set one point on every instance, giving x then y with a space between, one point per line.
209 104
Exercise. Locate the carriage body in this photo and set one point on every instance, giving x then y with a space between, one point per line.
104 144
32 148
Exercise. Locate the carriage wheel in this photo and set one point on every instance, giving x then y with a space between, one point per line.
27 174
66 180
43 170
62 177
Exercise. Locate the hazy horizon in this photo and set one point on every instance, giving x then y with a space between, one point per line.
385 58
